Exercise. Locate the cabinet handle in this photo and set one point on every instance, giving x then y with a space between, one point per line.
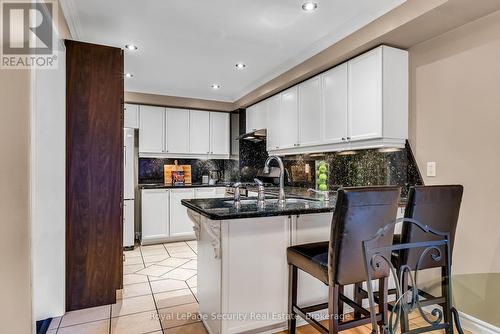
348 138
343 139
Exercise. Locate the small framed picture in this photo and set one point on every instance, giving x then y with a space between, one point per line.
178 177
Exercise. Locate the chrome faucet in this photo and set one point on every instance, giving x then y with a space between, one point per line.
237 195
281 196
261 193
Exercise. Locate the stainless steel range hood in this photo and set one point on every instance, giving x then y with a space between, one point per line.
255 136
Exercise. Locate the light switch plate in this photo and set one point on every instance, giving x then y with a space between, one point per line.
431 168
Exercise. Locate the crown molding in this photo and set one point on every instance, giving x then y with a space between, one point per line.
70 13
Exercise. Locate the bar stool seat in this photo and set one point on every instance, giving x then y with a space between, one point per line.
311 258
359 214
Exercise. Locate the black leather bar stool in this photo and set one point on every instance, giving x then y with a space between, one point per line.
359 214
437 207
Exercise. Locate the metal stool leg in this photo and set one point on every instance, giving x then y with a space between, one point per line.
382 303
405 323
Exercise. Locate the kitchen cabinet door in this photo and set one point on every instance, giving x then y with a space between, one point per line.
256 117
219 133
310 112
199 132
288 137
151 129
155 216
334 108
250 118
209 192
273 122
177 133
131 116
365 96
180 223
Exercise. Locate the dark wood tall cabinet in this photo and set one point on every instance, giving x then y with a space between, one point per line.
94 174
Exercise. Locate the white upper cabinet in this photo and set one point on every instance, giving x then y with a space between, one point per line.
177 130
273 122
288 134
310 112
131 116
152 130
334 105
360 104
365 96
199 132
256 117
180 133
378 95
219 133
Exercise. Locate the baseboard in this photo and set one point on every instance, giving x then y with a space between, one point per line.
476 325
470 323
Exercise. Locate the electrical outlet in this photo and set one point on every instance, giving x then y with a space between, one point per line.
431 168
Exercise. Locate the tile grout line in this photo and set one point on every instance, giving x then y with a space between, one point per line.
152 294
156 305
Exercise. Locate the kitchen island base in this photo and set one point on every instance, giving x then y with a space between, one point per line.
243 272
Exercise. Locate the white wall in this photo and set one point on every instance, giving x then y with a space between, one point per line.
48 189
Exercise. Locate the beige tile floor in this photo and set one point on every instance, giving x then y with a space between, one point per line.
159 297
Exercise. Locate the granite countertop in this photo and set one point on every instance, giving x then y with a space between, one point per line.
190 185
223 208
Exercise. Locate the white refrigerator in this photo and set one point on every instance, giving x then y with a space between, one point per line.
129 182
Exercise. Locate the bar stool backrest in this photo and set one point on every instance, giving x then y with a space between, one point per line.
437 207
359 214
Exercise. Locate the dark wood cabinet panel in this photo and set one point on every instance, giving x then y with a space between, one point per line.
94 174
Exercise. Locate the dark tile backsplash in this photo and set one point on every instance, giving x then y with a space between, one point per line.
151 169
365 168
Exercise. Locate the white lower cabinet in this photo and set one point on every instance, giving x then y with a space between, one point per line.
180 224
155 215
164 218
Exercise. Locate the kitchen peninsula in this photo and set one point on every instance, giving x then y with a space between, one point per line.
242 267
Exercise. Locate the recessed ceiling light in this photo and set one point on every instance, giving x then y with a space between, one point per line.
131 47
309 6
240 66
129 75
216 86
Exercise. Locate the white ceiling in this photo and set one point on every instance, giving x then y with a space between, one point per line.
186 45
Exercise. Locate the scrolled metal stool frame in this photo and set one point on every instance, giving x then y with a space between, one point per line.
375 258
